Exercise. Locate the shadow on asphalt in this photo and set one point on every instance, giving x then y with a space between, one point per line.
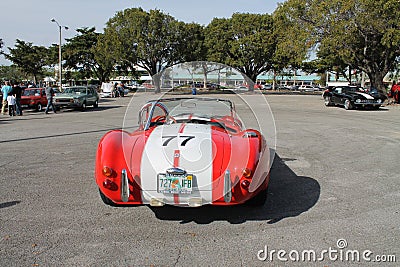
289 195
88 109
103 100
384 108
9 204
63 135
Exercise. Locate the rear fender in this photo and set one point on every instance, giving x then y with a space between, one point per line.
115 151
239 151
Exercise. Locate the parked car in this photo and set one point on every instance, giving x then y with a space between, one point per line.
107 90
56 91
111 90
292 87
187 152
267 86
308 88
352 97
34 98
77 97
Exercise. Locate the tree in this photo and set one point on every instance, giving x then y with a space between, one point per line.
28 58
202 67
52 55
293 44
151 40
103 56
362 34
82 53
10 73
246 42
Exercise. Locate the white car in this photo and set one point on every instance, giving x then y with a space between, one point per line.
308 88
107 90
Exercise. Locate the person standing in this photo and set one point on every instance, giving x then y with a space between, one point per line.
6 89
49 95
17 91
11 104
394 92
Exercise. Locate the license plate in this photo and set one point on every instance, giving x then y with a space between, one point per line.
175 184
24 106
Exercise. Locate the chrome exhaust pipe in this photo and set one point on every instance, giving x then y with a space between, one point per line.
124 186
227 187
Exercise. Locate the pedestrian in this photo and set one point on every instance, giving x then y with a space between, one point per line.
395 91
17 91
11 104
121 88
6 89
116 90
49 95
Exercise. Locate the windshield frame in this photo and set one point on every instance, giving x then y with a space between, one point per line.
161 103
75 90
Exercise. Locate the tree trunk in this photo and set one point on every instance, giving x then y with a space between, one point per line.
204 67
274 81
250 84
376 80
156 78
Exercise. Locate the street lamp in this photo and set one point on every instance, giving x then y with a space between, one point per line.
59 52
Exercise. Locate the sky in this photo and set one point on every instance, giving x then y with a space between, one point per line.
30 20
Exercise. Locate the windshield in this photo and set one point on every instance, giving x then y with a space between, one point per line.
178 110
32 92
77 91
198 107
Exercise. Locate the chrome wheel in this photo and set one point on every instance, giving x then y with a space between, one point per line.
347 104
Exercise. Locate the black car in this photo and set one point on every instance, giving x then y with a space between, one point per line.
352 97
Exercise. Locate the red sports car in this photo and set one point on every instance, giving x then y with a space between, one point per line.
186 152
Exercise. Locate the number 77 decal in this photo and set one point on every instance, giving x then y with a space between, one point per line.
168 139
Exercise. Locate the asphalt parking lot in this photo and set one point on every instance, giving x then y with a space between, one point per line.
335 185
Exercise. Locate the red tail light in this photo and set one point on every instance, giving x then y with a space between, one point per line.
107 171
107 183
245 184
247 173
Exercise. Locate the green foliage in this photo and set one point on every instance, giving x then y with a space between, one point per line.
293 42
344 34
103 56
28 58
151 40
10 73
77 52
52 55
360 34
83 54
245 41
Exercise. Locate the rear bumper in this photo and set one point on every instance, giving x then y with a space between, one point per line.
106 94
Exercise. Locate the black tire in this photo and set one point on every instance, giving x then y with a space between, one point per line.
258 200
106 200
96 104
376 107
347 104
83 108
39 107
327 101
